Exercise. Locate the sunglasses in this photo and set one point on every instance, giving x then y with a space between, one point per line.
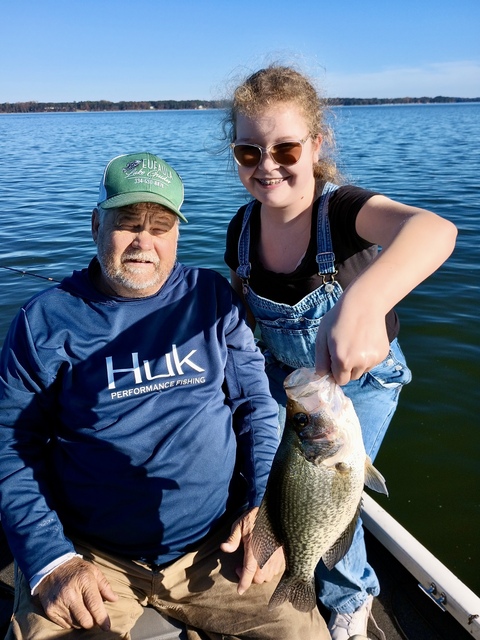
284 153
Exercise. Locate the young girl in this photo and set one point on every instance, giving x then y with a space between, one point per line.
304 257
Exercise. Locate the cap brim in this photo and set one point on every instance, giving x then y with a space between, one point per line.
125 199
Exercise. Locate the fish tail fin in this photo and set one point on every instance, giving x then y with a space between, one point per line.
373 478
301 593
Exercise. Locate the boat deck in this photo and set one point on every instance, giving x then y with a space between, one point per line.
402 610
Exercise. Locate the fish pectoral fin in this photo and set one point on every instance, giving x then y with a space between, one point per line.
342 544
374 479
264 540
301 593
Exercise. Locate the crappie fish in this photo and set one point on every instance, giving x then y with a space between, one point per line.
313 496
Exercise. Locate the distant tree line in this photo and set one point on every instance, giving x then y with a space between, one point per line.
105 105
424 100
161 105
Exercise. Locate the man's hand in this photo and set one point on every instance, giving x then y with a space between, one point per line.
250 571
73 594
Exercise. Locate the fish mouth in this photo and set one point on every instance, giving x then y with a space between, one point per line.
314 427
317 449
326 439
313 438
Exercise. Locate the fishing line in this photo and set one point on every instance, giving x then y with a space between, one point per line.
28 273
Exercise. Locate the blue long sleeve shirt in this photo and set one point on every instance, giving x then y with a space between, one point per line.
126 422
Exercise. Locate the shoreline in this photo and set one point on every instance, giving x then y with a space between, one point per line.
88 106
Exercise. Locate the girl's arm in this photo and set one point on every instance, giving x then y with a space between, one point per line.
352 337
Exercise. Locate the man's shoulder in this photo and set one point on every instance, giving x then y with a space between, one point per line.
209 288
204 275
42 298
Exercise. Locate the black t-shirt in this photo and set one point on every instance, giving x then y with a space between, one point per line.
352 253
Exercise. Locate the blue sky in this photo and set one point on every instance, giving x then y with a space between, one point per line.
70 50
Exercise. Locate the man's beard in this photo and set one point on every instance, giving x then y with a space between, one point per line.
132 278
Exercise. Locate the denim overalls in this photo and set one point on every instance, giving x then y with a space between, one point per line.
288 336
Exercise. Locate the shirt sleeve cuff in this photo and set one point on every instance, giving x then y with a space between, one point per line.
50 568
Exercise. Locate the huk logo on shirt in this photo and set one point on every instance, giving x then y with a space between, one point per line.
172 373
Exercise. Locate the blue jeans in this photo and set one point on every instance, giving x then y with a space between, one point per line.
375 397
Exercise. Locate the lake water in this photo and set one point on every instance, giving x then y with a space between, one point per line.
425 155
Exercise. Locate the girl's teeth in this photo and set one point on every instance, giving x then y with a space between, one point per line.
268 182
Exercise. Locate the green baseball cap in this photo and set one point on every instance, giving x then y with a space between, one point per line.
141 177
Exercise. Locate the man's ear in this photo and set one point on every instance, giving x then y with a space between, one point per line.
95 224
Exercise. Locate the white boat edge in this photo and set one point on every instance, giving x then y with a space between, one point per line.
433 576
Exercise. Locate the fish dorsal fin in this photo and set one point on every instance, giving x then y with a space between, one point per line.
342 543
264 540
373 478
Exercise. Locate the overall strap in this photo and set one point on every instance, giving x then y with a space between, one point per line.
325 256
244 266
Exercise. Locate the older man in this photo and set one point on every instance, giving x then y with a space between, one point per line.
136 435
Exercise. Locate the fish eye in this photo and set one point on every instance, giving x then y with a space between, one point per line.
300 419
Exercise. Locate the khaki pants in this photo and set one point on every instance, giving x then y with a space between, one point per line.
199 589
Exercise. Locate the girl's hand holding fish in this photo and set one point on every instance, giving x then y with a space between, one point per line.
352 339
